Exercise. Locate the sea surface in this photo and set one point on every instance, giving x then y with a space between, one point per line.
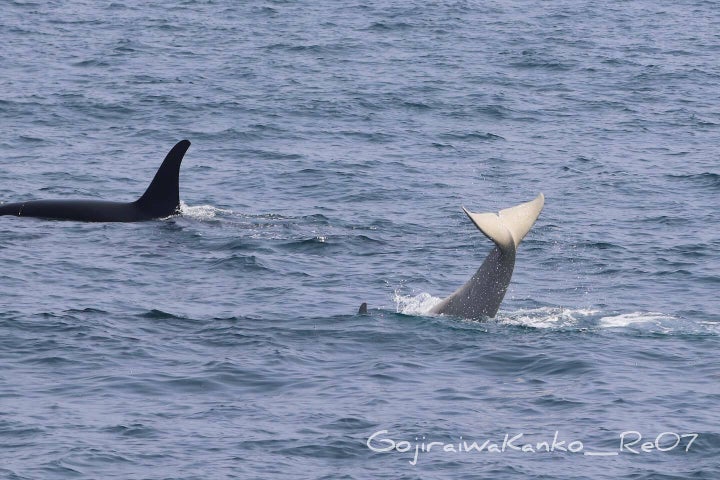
333 145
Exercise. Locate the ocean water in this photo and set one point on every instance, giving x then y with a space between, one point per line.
333 146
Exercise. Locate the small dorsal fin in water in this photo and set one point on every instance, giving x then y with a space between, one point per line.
363 309
162 197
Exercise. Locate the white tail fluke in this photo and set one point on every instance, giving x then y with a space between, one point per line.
508 227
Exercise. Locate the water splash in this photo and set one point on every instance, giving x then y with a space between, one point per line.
665 322
202 212
546 317
561 318
415 305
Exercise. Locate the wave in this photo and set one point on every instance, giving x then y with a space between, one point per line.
704 179
157 314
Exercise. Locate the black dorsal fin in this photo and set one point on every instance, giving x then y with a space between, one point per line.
162 197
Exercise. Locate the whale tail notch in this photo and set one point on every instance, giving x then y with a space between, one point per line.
162 197
508 227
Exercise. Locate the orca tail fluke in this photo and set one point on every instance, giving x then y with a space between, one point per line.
162 197
508 227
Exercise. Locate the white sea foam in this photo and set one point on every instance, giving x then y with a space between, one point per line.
635 318
563 318
711 327
201 212
546 317
415 305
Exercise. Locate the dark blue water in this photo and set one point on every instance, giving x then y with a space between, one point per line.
333 146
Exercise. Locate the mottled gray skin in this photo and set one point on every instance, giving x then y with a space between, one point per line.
161 199
482 295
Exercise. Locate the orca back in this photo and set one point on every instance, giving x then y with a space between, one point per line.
161 199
